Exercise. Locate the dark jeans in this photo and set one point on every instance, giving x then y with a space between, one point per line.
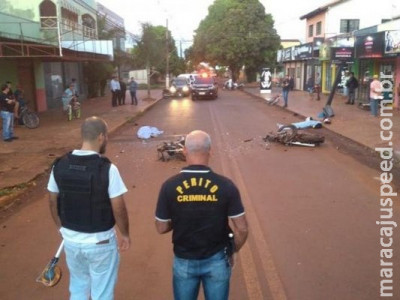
121 98
133 97
285 94
115 97
352 96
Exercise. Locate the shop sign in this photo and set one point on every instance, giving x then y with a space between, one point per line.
303 52
392 43
342 54
371 45
287 54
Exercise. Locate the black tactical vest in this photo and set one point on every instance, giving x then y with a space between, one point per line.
83 202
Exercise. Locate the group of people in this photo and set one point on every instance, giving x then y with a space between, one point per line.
118 91
10 104
375 92
197 205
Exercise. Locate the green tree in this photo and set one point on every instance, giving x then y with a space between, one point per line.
151 50
236 33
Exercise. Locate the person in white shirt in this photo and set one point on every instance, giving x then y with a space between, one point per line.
86 201
115 90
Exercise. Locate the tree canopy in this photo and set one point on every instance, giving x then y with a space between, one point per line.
151 50
236 33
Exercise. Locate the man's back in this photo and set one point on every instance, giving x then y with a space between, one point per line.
199 202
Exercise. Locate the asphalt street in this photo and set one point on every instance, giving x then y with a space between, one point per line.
312 211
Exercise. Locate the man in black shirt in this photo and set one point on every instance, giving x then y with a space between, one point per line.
7 105
351 84
197 205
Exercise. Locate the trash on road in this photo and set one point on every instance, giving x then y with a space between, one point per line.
146 132
289 135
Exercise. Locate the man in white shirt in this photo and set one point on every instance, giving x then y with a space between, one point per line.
115 90
86 201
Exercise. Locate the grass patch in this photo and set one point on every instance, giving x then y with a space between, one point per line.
14 189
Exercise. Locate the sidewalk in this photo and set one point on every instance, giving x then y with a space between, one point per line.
349 120
32 154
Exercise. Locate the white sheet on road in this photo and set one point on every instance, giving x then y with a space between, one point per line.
146 132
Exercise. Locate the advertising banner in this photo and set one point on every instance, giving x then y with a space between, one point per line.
392 43
265 81
370 46
342 54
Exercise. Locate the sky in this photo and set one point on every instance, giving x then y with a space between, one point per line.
184 16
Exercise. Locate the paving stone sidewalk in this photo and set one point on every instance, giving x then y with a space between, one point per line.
32 154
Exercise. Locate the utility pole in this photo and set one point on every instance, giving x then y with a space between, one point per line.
167 53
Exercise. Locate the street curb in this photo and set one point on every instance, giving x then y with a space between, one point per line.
7 200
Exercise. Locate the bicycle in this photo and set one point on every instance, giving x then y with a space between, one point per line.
74 109
29 118
274 100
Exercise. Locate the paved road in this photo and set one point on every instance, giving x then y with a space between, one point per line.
311 212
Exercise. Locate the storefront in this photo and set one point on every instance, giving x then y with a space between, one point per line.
378 54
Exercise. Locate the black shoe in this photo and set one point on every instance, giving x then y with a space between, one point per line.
8 140
15 138
347 103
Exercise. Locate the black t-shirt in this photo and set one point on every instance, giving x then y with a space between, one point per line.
198 202
3 103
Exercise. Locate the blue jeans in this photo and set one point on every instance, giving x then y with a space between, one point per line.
8 124
214 272
93 269
374 106
285 94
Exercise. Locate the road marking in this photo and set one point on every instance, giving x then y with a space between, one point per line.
249 268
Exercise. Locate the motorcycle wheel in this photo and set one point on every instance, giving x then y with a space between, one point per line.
287 134
30 119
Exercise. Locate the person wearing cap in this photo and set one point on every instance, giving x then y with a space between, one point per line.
197 205
375 94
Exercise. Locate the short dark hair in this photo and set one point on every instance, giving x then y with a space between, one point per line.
92 127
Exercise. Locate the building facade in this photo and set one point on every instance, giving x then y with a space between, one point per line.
44 44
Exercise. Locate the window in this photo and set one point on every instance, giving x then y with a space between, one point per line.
319 28
48 15
310 30
349 25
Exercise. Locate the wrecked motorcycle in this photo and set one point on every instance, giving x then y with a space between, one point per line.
289 135
171 149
